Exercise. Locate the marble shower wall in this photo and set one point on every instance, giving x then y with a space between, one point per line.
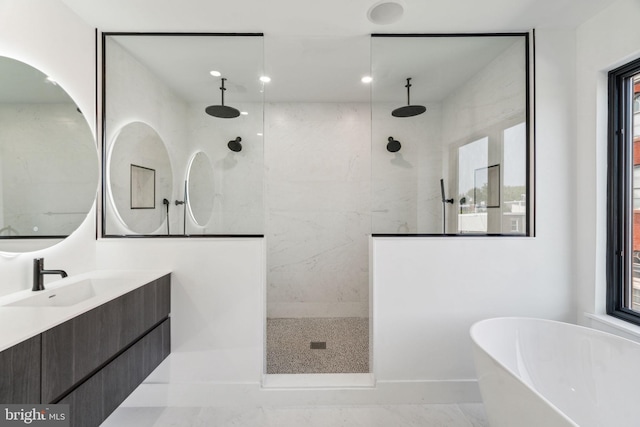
318 198
406 184
237 176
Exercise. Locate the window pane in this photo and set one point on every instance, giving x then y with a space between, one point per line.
514 189
634 300
472 157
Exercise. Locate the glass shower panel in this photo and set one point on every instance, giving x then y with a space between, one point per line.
450 143
199 93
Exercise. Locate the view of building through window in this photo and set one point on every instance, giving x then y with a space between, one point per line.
635 295
483 208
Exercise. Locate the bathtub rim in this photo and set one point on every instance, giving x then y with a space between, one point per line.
473 331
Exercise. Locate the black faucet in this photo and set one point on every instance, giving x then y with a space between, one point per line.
39 272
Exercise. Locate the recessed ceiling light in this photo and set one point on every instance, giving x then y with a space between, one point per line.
265 79
259 134
244 113
385 12
215 73
366 79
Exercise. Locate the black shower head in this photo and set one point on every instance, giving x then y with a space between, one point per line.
408 110
393 145
222 111
234 145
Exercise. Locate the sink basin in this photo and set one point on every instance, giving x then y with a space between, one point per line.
63 296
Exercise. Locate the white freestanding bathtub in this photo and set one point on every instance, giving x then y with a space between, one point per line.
542 373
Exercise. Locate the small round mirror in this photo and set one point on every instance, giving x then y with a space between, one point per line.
200 189
140 179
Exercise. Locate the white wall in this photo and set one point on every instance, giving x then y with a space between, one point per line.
605 42
427 292
48 36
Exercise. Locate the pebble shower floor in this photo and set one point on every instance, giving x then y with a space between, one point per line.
289 343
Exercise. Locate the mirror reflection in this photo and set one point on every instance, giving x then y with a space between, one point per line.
201 190
457 110
48 160
199 92
140 179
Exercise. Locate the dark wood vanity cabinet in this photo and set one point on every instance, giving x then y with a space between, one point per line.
95 360
97 397
74 350
20 372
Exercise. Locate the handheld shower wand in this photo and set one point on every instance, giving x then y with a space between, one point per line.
444 204
166 203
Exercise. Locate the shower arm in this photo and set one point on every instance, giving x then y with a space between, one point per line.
222 89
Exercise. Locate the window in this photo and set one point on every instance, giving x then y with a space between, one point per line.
623 239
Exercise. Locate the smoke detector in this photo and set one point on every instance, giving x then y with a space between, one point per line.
385 12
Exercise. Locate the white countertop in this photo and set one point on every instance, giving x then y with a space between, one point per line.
22 323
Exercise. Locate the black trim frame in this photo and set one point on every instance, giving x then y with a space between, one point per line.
620 193
530 112
103 135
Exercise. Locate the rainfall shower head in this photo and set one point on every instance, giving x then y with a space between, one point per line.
408 110
234 145
222 111
393 145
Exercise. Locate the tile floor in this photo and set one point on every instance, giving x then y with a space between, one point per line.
182 392
289 352
438 415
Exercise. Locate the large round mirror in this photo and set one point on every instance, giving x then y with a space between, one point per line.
48 160
140 179
200 189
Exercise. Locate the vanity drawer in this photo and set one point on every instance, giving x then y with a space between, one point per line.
76 349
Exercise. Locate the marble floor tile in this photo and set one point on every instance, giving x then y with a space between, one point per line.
133 417
436 415
475 413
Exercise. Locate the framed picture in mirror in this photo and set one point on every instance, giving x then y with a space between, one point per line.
143 187
487 186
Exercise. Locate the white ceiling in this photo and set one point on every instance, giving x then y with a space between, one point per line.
331 17
317 51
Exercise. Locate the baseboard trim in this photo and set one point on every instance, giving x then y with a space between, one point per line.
315 381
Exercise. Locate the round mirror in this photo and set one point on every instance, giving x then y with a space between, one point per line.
200 189
140 179
48 159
